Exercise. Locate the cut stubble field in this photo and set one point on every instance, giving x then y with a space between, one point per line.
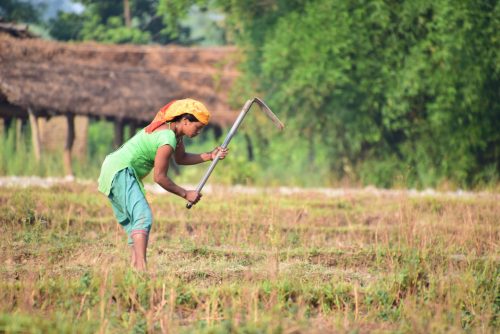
251 263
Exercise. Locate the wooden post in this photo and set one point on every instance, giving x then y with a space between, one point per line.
19 133
70 139
126 13
7 126
35 134
83 129
249 147
119 126
133 129
217 131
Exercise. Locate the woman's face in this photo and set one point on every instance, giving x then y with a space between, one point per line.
192 129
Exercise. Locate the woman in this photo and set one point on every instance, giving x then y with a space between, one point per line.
123 170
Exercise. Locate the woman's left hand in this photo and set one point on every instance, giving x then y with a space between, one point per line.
222 154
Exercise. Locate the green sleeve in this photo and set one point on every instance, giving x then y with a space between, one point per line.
166 138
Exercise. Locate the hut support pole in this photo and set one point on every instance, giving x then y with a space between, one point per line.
7 126
119 127
70 139
133 129
35 134
249 147
19 132
126 13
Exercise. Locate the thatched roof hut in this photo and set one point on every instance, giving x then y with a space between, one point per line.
125 84
117 82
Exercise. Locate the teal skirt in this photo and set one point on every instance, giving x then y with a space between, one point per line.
129 204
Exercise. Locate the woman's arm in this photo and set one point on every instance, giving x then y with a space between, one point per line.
162 159
184 158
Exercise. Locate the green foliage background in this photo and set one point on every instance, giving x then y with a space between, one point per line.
383 92
152 21
392 91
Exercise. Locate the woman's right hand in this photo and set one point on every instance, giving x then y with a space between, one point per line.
193 196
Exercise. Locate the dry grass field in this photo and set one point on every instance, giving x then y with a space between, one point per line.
241 263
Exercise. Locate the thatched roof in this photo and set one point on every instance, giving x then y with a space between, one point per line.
16 30
111 81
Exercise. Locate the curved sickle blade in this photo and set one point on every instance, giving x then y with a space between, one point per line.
263 106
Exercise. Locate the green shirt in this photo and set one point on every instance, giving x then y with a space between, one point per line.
138 153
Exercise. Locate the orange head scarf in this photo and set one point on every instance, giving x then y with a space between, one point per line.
178 107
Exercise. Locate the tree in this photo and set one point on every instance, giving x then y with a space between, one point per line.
382 91
102 21
388 88
66 27
19 11
126 21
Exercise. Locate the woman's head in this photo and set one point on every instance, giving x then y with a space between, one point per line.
188 124
176 108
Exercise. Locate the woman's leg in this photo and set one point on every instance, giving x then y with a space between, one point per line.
133 213
117 197
132 256
139 250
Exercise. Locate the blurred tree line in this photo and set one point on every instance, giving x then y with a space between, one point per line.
394 91
119 21
385 92
19 11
